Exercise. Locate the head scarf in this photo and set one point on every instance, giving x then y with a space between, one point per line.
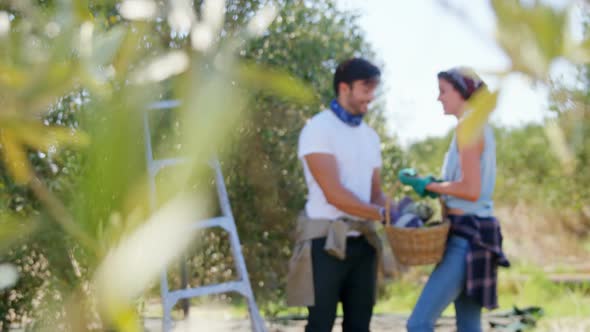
463 79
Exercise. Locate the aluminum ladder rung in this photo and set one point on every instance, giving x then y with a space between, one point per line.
223 222
238 286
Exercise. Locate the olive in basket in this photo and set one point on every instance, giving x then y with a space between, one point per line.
407 213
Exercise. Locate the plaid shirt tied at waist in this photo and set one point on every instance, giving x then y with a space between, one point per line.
484 256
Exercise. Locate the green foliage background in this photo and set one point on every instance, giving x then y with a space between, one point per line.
262 173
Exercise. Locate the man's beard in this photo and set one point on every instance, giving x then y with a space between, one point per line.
355 107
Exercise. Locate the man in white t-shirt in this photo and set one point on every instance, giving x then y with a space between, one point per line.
341 158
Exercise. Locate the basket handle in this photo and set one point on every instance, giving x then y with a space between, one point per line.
387 209
396 186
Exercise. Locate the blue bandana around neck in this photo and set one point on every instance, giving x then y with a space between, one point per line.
342 114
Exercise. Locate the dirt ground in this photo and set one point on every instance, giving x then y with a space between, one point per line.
220 319
379 323
389 323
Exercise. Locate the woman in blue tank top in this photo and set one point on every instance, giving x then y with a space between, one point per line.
467 273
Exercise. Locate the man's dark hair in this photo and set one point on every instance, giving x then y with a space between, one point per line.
355 69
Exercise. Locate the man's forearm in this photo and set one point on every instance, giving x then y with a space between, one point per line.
346 201
379 199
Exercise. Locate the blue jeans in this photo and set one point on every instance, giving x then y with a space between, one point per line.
445 285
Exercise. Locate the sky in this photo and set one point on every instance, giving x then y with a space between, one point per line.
416 39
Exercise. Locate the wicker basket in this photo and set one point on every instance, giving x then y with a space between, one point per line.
418 246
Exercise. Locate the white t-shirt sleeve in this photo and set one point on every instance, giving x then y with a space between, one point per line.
314 138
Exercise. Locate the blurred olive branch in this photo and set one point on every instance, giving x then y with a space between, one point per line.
122 65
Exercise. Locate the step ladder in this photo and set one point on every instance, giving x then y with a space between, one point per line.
225 221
